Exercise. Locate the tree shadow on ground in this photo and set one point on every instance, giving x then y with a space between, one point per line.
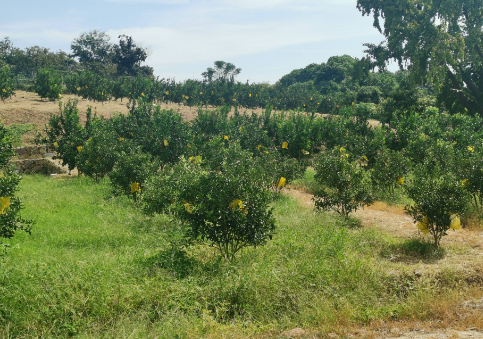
177 262
413 251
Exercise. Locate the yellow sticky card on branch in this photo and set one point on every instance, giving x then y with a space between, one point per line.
166 143
188 207
455 222
423 225
285 145
135 187
281 182
4 204
237 204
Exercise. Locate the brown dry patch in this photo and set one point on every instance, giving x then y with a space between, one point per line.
464 248
29 108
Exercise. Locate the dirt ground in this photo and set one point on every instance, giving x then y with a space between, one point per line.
464 254
29 108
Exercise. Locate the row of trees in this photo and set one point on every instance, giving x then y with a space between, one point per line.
172 165
90 51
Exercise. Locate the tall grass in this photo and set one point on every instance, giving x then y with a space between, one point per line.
94 266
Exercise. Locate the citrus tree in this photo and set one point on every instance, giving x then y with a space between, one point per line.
227 207
6 83
10 205
343 184
439 200
48 84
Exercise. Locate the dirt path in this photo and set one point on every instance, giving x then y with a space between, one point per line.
464 254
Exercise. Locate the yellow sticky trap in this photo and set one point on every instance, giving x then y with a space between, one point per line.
166 143
79 148
135 187
423 226
121 139
225 137
471 149
285 145
188 207
240 129
237 204
400 181
56 144
281 182
455 222
4 204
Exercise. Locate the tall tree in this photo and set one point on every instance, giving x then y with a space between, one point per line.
222 71
128 57
439 42
93 50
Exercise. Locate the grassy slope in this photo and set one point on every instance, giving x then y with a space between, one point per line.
96 267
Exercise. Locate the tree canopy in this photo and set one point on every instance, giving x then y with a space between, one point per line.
438 41
128 57
222 71
92 49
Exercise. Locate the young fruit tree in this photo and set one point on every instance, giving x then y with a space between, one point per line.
226 206
343 184
10 205
439 200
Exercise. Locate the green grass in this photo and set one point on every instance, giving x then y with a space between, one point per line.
17 131
307 183
96 267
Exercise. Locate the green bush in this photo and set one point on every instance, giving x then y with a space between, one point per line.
131 168
389 170
6 83
227 207
343 184
10 205
439 200
48 84
97 156
65 133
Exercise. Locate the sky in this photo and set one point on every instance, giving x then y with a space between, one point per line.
265 38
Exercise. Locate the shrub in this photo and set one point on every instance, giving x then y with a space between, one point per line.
6 83
65 133
389 170
228 207
439 200
132 167
97 156
10 205
343 184
48 84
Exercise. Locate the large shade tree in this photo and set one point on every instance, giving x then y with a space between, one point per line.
93 50
222 71
440 43
128 57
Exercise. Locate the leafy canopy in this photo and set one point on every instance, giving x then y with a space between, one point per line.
439 41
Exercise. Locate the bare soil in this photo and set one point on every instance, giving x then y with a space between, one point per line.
29 108
464 254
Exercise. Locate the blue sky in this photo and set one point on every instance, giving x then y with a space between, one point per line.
266 38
